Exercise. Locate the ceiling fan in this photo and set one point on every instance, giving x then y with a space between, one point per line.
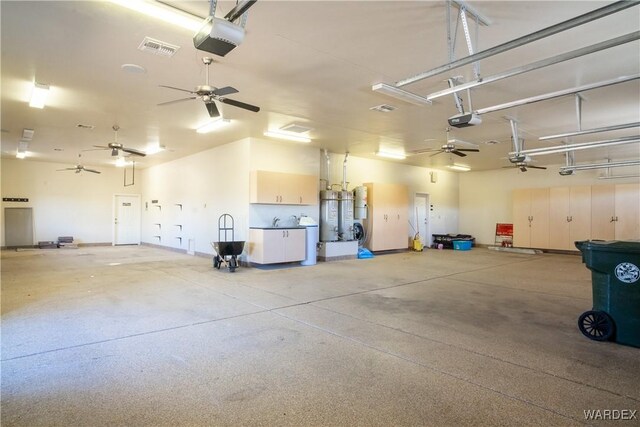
208 94
519 160
522 162
79 168
451 146
116 147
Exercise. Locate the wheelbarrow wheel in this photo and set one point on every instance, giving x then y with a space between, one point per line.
233 264
596 325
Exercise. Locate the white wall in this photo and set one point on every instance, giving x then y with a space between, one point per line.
207 185
443 194
485 197
64 203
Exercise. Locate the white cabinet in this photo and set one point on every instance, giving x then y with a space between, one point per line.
531 218
283 188
569 216
387 224
615 212
275 245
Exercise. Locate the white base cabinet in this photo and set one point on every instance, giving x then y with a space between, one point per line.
276 245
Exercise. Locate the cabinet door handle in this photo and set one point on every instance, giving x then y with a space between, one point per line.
283 234
300 199
616 219
398 216
612 219
287 233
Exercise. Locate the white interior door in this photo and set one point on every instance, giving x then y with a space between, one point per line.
18 227
421 215
127 220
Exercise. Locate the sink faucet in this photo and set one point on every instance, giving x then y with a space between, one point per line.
295 219
274 223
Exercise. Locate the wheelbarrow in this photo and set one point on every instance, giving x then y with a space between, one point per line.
227 249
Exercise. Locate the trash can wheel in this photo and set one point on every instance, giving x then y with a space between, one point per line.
596 325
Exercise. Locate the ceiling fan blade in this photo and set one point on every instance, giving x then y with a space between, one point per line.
227 90
536 167
103 147
508 167
423 150
458 153
177 88
474 150
240 104
212 108
178 100
435 154
66 169
91 170
133 151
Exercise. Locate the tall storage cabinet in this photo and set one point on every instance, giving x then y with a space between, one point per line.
569 216
387 223
531 218
615 212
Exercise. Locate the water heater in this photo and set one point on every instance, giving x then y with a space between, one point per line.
360 202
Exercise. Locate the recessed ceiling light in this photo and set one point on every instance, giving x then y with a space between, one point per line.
133 69
27 134
21 154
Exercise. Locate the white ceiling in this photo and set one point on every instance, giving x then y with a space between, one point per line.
306 62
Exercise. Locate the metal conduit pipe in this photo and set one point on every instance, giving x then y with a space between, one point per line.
520 41
344 172
539 64
557 94
590 131
602 165
581 146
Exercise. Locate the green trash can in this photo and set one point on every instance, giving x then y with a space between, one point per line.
615 278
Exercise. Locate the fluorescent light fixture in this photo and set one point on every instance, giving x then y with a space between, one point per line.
459 167
391 155
21 154
39 95
401 94
27 134
211 126
121 162
164 13
282 135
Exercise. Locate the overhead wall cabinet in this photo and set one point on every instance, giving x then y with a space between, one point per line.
569 216
615 212
555 218
283 188
276 245
388 225
531 218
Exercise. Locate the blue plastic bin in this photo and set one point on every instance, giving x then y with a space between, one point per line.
462 245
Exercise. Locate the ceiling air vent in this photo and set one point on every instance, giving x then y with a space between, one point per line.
296 128
158 47
383 108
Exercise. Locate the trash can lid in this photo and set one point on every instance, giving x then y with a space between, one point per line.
626 246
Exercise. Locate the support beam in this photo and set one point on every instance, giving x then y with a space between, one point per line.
557 94
573 147
539 64
590 131
520 41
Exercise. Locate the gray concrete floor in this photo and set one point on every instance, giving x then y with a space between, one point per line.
142 336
